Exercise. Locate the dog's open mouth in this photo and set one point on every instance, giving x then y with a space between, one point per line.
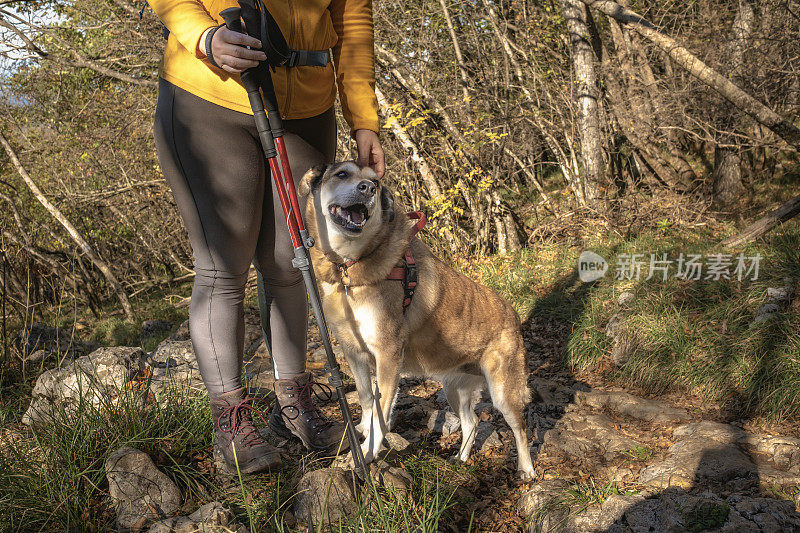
351 218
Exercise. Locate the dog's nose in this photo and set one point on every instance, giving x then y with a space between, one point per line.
367 187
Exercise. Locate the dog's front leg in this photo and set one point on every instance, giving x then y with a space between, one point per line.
387 370
361 374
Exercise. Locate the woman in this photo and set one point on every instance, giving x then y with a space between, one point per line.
210 154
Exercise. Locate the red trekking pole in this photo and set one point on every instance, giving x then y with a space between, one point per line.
270 131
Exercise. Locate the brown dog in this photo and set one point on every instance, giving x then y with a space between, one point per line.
454 330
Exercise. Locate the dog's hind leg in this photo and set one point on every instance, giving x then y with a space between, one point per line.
460 388
509 391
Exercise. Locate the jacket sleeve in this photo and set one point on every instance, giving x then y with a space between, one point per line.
354 59
185 19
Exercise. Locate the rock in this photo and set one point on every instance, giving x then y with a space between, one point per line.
445 422
152 328
704 451
625 339
94 381
173 353
590 437
783 452
626 299
38 356
391 477
141 492
395 442
632 406
486 437
766 311
54 341
543 504
554 505
767 514
625 345
213 517
325 497
182 333
615 324
603 517
782 295
174 369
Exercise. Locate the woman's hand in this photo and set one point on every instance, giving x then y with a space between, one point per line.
228 48
370 152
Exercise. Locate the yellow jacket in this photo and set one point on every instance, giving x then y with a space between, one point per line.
344 25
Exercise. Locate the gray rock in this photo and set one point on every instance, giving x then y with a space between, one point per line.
590 437
487 437
782 295
766 311
632 406
615 324
704 451
783 452
767 514
55 342
212 517
94 381
173 353
626 299
544 504
395 442
152 328
182 333
141 492
174 369
444 421
325 497
391 477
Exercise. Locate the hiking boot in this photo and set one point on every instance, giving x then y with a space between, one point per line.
232 413
295 414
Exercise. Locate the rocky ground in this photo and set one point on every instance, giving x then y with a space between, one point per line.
606 460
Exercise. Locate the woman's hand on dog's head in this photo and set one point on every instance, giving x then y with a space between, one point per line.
370 151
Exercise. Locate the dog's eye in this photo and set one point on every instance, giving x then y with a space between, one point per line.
341 174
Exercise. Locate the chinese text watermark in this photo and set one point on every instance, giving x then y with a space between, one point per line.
663 266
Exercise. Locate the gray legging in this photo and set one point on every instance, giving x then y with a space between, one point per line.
212 160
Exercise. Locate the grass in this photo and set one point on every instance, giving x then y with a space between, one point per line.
52 476
695 337
560 507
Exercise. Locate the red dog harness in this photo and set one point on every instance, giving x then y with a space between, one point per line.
406 273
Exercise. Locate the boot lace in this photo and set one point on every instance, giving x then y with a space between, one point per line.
304 405
239 417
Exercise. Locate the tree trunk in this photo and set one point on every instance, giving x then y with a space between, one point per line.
727 176
697 68
83 245
785 212
588 114
462 69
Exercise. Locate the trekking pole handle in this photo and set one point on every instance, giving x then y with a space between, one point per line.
233 18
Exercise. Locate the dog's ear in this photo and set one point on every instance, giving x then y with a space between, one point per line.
311 179
387 204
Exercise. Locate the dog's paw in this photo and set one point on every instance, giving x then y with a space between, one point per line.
527 475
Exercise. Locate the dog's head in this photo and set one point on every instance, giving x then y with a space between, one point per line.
350 206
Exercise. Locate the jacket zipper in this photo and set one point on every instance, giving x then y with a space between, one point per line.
290 40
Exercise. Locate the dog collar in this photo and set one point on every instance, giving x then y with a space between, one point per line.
407 272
